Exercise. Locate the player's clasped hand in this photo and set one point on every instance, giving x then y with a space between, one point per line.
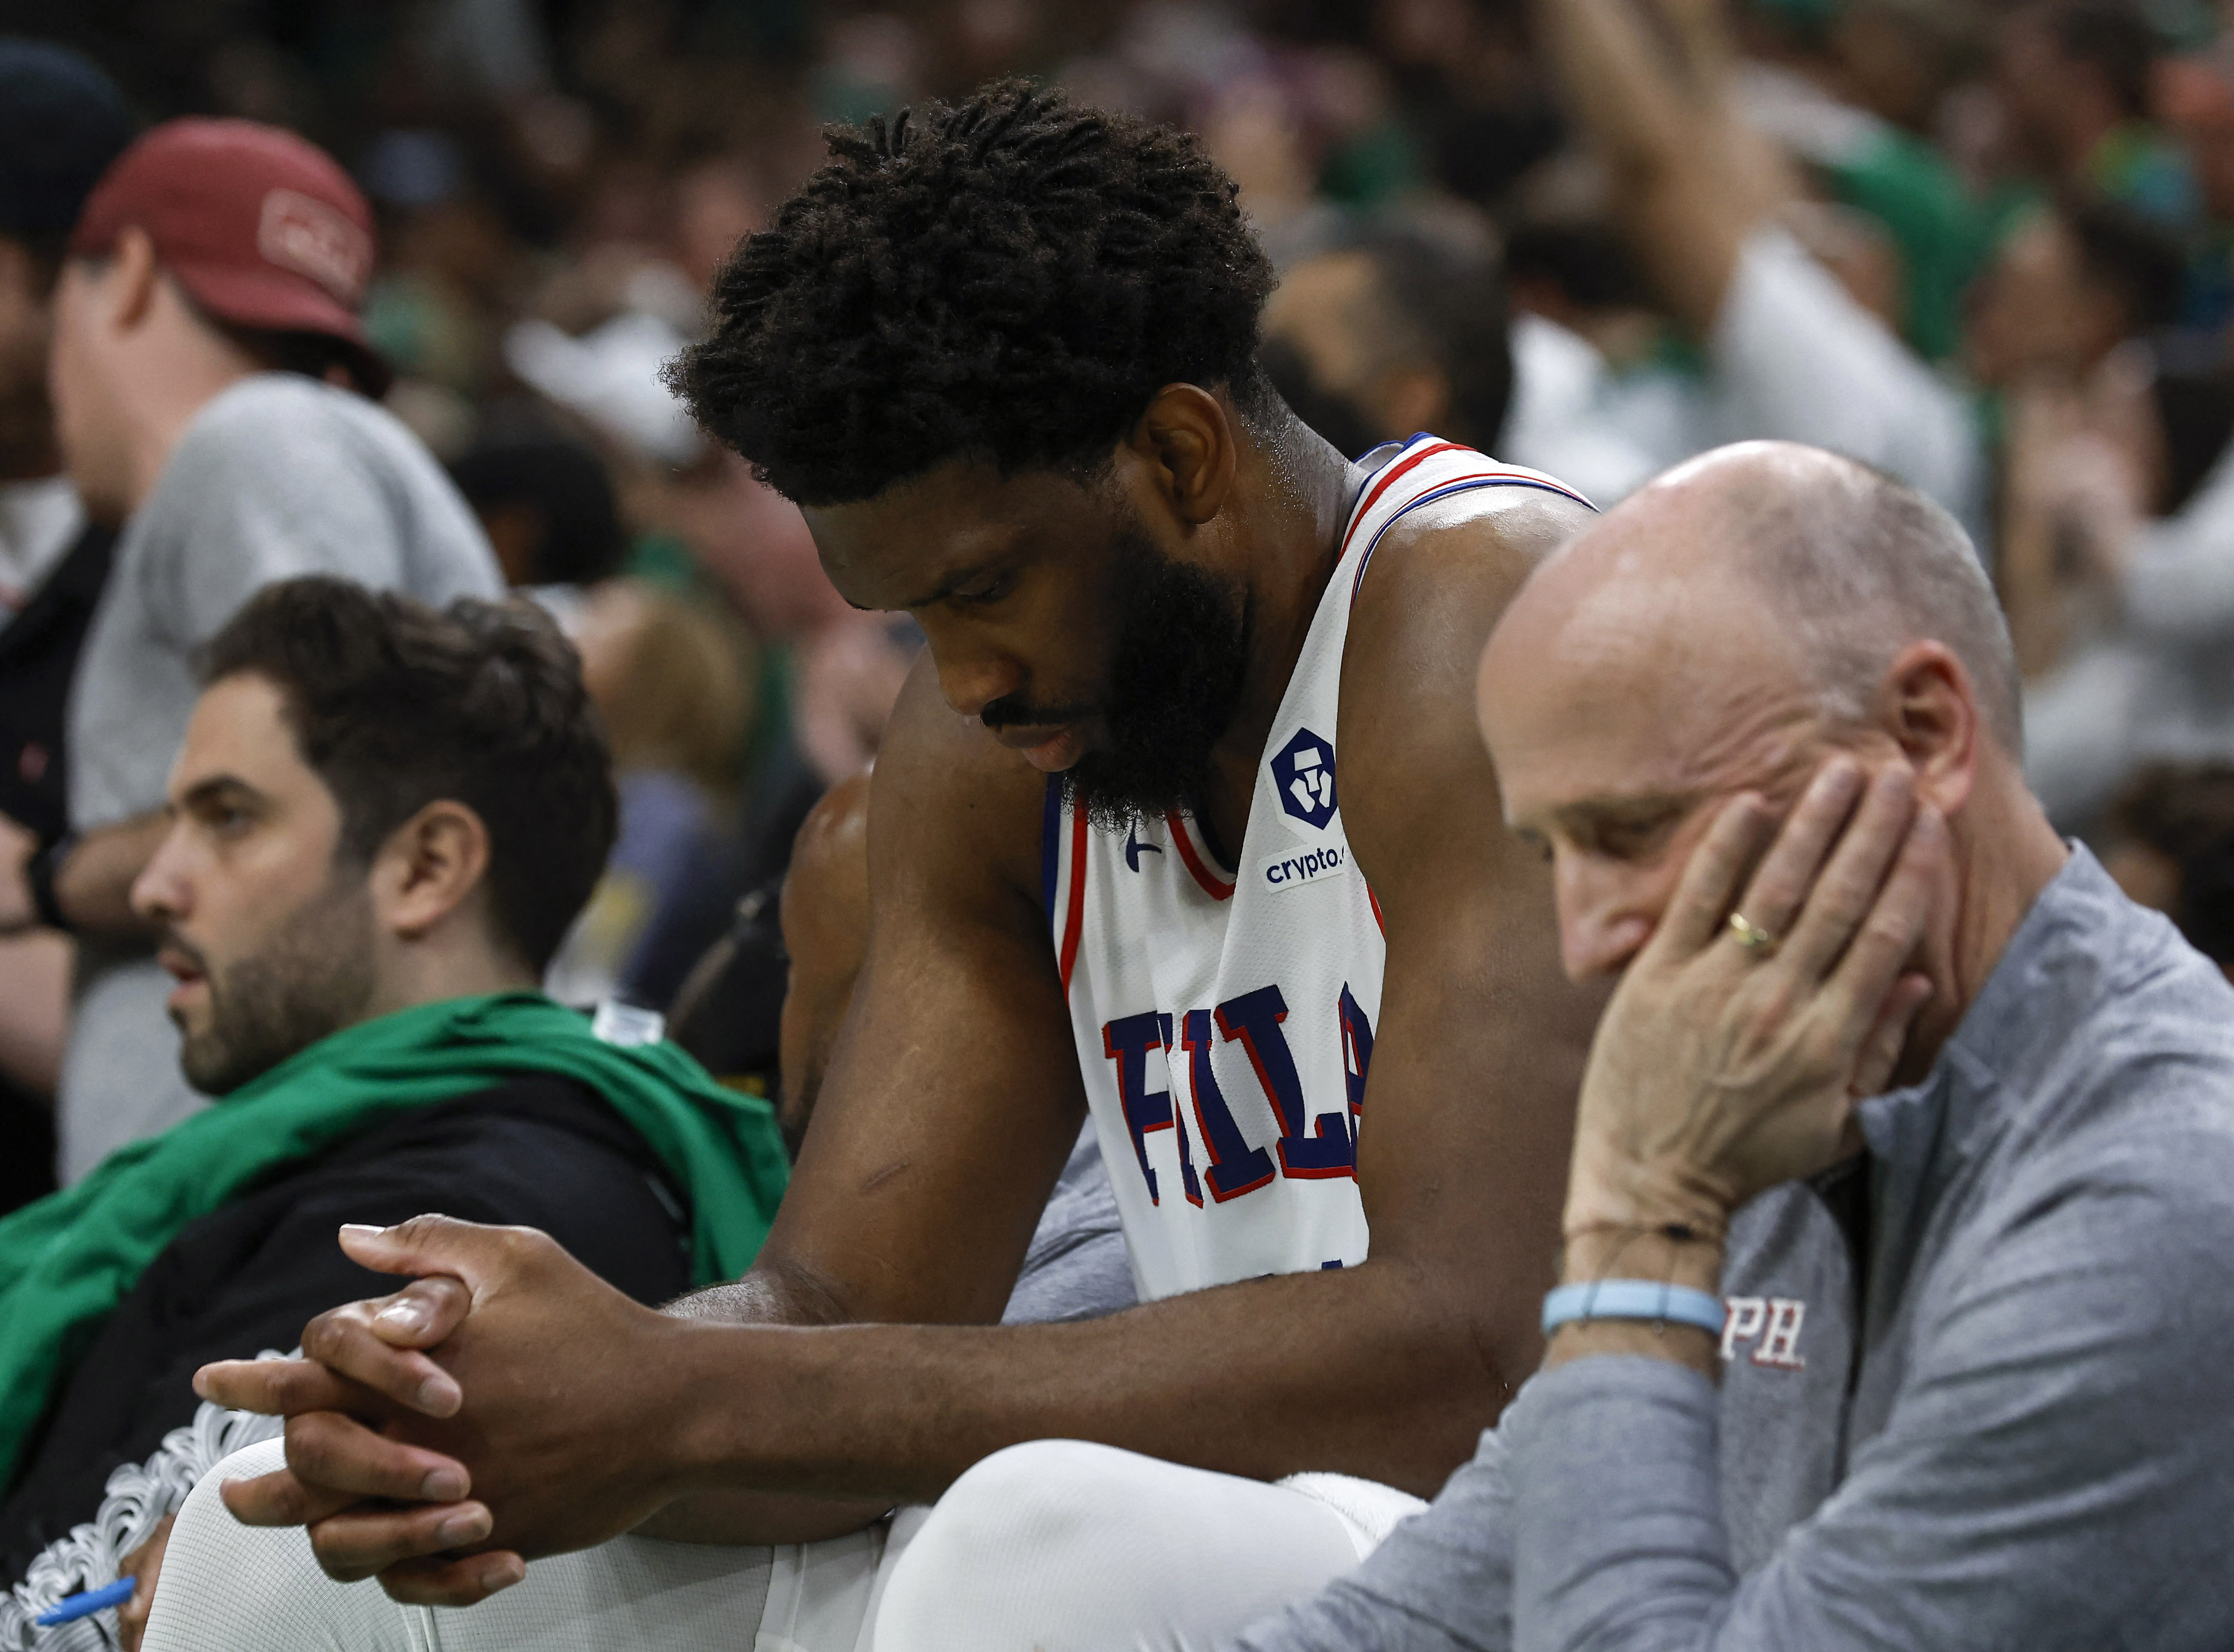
494 1301
1730 1056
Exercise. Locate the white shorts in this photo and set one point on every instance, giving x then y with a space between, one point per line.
1055 1546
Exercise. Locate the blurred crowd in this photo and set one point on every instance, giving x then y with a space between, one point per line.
1985 244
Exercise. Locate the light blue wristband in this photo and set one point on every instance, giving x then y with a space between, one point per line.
1633 1299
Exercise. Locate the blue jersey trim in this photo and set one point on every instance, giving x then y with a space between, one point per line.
1395 450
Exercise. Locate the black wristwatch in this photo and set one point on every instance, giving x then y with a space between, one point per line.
39 874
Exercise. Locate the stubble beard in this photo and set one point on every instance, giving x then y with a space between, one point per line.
312 977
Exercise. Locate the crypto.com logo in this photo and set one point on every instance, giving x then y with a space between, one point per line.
1304 775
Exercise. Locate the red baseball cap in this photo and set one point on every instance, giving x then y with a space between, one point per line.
262 228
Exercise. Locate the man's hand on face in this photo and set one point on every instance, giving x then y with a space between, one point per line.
507 1354
18 843
1722 1068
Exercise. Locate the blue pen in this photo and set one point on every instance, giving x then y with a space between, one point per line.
85 1605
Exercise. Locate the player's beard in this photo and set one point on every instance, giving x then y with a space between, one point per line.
312 976
1175 682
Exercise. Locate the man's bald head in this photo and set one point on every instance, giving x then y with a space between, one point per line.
1849 565
1861 566
1722 630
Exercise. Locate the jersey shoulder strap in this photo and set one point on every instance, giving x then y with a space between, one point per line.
1401 476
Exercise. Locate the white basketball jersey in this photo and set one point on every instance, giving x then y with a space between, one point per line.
1225 1015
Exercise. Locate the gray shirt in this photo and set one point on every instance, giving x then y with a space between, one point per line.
278 476
2035 1447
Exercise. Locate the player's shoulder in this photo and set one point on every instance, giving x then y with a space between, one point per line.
1469 527
1444 566
1440 571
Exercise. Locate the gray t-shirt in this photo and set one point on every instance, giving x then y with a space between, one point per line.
278 476
2035 1447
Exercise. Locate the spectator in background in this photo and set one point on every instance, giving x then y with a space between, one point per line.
1854 92
385 819
1701 197
211 384
2069 285
1591 388
674 682
1396 332
62 123
2136 612
2074 77
547 507
1575 270
1899 59
2195 96
2168 839
829 676
2117 502
2119 514
1405 327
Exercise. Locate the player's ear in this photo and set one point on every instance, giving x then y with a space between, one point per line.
1190 440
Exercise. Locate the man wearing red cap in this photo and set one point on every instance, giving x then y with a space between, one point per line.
211 382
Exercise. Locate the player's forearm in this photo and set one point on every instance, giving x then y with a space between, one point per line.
764 1297
1364 1373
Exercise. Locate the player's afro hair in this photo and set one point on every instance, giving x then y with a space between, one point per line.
1010 279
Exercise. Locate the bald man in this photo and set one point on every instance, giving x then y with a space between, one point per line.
1835 1365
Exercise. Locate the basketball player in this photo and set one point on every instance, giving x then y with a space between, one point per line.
1184 821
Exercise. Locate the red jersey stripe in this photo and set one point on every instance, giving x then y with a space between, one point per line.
1210 883
1074 921
1387 479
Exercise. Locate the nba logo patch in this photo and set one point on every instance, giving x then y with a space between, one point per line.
1302 774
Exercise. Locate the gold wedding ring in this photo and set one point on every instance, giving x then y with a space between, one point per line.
1751 935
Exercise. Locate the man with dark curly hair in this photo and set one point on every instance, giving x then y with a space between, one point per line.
1184 821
